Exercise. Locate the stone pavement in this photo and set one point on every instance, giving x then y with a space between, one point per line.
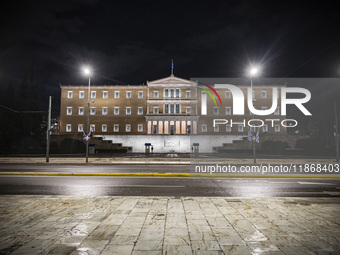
168 225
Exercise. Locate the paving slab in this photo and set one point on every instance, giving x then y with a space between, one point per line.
168 225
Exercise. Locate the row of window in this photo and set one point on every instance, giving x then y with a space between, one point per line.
105 94
228 110
240 128
104 128
167 93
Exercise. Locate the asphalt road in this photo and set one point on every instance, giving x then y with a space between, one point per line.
170 186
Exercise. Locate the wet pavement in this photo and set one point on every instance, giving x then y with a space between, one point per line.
168 225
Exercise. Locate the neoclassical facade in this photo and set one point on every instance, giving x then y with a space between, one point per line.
171 113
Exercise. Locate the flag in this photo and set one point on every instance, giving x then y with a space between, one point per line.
172 66
257 137
250 137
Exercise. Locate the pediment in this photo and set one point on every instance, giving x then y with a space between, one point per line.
171 80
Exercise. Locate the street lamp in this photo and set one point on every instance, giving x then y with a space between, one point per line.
87 72
252 73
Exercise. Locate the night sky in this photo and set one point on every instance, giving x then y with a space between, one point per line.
130 42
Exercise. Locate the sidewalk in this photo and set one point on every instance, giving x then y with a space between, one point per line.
158 161
168 225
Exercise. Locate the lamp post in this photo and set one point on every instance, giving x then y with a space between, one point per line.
253 72
87 72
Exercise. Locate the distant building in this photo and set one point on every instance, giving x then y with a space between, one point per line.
171 114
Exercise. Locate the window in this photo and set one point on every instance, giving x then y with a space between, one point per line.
277 128
81 94
227 94
166 108
128 110
265 128
105 94
188 110
68 128
140 94
93 111
277 111
69 94
172 108
116 111
93 127
216 110
127 128
264 108
264 94
104 128
228 128
228 110
166 93
204 128
116 128
240 128
177 93
128 94
80 128
188 94
104 111
69 110
93 94
116 94
253 94
140 110
177 108
81 111
140 127
155 110
155 94
171 93
216 128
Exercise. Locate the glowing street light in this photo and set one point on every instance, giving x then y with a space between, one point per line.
87 72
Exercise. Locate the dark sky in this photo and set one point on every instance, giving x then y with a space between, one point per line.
130 42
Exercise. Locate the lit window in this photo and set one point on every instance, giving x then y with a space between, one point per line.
104 110
92 127
216 128
93 111
81 94
81 111
80 128
127 128
104 128
277 111
155 110
116 94
116 128
265 128
155 94
105 94
188 94
128 94
228 111
216 110
140 110
69 94
227 94
277 128
128 110
204 128
69 110
140 94
116 112
93 94
140 127
188 110
240 128
68 128
228 128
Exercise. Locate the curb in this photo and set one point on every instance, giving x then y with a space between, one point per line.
169 175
